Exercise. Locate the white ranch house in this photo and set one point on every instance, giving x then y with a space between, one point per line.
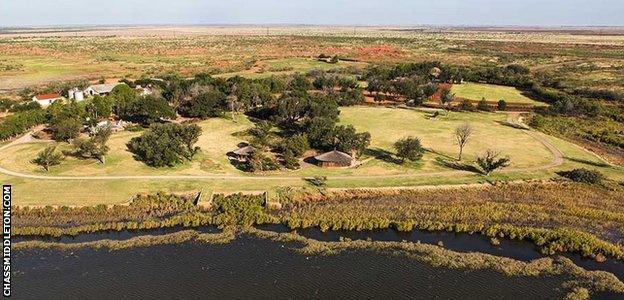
46 99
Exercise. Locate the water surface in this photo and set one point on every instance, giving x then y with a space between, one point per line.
250 268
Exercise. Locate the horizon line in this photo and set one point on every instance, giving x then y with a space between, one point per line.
305 25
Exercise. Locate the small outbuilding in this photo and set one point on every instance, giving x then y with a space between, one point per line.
75 94
243 154
100 89
334 159
46 99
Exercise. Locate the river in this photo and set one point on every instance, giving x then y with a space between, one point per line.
252 268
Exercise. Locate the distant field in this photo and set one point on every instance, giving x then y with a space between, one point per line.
30 58
289 66
477 91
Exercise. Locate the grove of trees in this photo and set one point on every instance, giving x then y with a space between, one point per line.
165 145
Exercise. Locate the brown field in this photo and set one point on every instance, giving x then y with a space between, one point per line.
591 57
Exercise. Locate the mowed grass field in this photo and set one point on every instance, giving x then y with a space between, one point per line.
492 93
221 135
386 125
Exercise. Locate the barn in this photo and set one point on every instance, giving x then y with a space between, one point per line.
100 89
334 159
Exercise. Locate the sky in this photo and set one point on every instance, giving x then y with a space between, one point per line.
313 12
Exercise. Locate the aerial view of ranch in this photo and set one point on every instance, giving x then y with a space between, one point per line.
465 154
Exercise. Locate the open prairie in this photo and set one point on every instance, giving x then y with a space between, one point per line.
28 58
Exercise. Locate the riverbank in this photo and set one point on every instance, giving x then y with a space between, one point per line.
556 217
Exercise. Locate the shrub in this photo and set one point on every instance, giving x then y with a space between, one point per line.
409 148
502 105
466 105
490 161
583 175
483 105
317 181
290 161
30 105
259 162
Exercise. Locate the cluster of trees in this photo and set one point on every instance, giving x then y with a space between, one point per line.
166 145
18 123
92 147
65 120
306 121
145 110
415 82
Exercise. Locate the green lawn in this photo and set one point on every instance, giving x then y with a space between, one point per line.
385 125
477 91
221 135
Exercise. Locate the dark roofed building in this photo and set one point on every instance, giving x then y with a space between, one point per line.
243 154
334 159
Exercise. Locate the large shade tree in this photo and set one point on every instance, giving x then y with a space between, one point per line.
165 144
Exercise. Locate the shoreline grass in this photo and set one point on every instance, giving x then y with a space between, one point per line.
556 220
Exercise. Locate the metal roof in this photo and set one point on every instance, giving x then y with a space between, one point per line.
244 151
336 157
103 88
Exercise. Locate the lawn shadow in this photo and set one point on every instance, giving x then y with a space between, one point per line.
239 165
587 162
382 155
457 165
514 125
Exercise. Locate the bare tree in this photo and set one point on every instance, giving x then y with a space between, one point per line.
462 135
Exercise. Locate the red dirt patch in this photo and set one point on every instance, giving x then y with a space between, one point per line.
379 51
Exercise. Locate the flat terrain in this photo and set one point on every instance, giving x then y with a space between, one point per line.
583 58
29 58
492 93
385 125
88 182
290 65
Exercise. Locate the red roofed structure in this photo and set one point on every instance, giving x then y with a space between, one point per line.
46 99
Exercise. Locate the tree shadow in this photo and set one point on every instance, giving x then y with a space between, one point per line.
448 157
239 165
587 162
513 125
382 155
457 165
